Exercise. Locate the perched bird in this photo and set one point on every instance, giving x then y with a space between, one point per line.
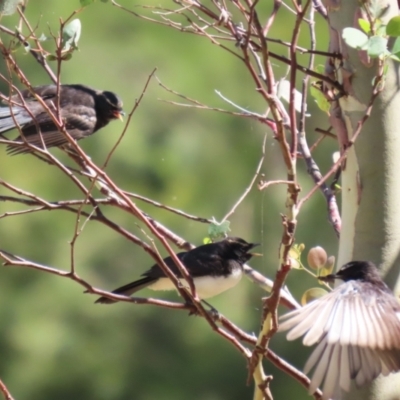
214 267
356 326
84 111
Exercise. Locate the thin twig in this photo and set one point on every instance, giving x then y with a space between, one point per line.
248 189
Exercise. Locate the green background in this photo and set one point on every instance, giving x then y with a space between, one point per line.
54 342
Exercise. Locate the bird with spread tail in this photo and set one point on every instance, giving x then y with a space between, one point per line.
214 268
84 111
356 326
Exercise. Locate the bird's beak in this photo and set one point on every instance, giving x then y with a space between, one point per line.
119 115
255 254
328 278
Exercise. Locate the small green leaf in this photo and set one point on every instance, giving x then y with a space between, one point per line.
355 38
51 58
393 26
381 30
295 255
66 57
395 57
322 102
328 267
364 25
377 46
71 35
217 230
396 46
385 68
312 294
338 188
85 3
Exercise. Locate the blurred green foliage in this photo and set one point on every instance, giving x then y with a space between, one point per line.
54 342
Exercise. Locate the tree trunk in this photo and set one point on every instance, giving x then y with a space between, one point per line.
371 177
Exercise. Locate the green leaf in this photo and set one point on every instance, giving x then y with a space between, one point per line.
312 294
396 46
364 25
85 3
385 68
395 57
71 35
66 57
355 38
393 26
328 267
51 58
295 255
381 31
217 230
377 46
322 102
8 7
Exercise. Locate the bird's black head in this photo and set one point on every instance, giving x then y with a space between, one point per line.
357 271
238 248
110 106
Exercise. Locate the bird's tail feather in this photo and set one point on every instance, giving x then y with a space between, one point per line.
8 118
128 289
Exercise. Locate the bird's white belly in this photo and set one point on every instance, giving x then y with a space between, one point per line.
206 286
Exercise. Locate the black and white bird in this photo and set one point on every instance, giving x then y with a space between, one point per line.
214 268
84 111
356 328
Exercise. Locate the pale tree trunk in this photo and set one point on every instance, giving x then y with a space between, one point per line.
371 178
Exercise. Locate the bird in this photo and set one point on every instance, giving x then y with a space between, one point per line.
214 267
356 326
84 111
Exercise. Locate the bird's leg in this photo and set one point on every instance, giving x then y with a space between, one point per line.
213 311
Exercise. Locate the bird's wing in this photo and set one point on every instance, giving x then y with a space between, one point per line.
156 272
79 121
336 366
358 336
348 316
202 263
197 264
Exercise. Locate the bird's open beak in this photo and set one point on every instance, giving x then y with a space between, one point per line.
255 254
119 115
